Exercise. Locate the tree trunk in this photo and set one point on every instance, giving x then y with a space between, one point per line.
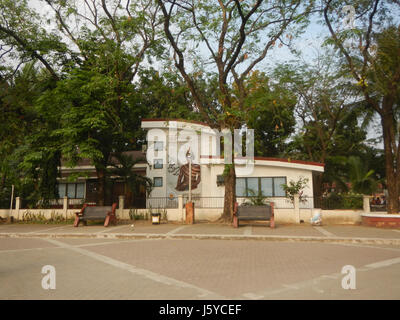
390 159
230 191
101 177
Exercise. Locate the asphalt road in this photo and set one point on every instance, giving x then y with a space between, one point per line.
195 269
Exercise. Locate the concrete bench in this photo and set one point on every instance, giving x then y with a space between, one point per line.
254 213
106 213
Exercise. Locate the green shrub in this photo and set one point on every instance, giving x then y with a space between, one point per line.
342 201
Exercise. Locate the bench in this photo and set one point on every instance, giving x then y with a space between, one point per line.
248 212
88 212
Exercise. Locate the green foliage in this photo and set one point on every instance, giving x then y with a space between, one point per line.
296 188
255 199
132 180
362 180
269 110
342 201
30 156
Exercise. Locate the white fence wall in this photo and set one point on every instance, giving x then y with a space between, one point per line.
294 215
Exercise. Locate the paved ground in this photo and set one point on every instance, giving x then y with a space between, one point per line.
91 267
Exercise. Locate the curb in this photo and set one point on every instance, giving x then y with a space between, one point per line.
275 238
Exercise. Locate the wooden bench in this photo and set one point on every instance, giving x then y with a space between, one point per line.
248 212
89 212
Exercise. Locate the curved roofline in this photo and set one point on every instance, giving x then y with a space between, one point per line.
291 161
312 163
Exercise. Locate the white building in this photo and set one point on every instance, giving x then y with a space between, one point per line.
168 145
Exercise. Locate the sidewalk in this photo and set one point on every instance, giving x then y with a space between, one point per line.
144 229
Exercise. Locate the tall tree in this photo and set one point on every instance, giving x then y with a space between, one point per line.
94 55
227 40
331 122
370 50
270 114
30 154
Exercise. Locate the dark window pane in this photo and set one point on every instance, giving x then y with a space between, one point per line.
278 189
266 187
158 164
80 190
61 190
71 190
158 182
240 187
252 187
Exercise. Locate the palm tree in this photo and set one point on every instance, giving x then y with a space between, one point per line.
132 180
362 180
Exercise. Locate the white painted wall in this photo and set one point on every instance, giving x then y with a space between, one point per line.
172 134
282 216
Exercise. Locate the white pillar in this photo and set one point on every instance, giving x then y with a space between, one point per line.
180 205
121 204
65 206
297 207
17 206
366 204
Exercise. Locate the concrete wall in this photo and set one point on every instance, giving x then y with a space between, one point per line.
47 213
293 215
282 216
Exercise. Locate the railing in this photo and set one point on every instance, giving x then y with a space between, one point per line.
218 202
306 202
378 207
343 202
205 202
162 202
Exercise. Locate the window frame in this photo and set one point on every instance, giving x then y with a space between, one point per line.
157 144
72 185
259 186
154 182
159 163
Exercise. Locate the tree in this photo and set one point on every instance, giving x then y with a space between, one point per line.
132 180
93 56
373 62
270 114
331 122
237 36
30 156
361 179
296 188
164 95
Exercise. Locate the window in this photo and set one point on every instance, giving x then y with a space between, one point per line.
241 187
278 190
252 187
80 191
158 145
220 180
158 164
71 190
158 182
61 189
265 186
